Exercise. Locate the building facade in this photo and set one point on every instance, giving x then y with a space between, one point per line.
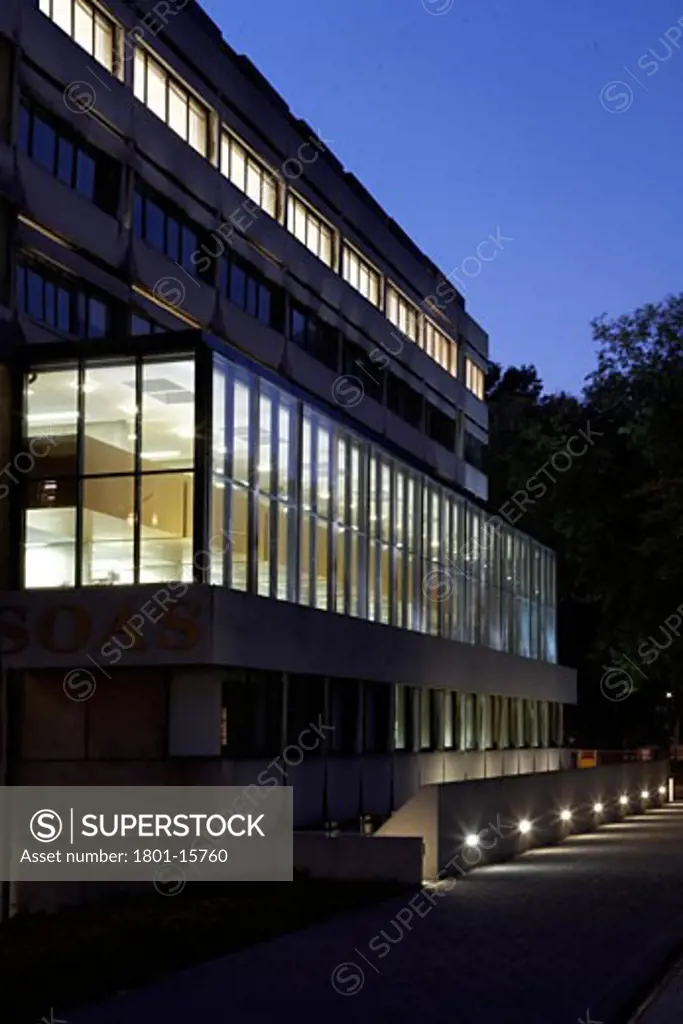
243 426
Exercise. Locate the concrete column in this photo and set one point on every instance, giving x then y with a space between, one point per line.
5 459
194 726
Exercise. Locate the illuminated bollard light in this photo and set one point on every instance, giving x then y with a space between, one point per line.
598 807
565 815
525 826
472 840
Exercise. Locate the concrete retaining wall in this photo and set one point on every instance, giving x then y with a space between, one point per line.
444 815
494 808
364 858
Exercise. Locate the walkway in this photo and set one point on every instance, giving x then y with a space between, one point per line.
571 933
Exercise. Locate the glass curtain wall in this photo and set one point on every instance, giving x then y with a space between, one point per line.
317 515
109 495
312 512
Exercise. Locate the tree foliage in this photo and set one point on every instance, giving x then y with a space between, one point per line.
614 516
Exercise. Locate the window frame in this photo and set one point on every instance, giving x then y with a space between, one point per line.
194 104
230 141
296 205
348 249
475 378
406 306
100 19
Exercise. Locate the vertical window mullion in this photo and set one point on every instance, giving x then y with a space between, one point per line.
78 574
137 492
252 487
228 470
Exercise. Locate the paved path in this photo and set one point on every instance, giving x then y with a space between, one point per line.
553 936
666 1003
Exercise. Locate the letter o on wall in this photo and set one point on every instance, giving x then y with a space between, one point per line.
64 629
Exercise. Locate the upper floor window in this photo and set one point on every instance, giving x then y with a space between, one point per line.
161 227
140 324
246 289
441 348
86 25
314 336
361 275
356 362
248 174
62 154
475 451
404 401
402 314
475 378
59 302
172 102
440 427
310 229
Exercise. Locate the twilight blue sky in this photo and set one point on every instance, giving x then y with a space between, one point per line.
490 116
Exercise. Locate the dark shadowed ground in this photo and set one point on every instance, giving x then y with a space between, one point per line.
584 927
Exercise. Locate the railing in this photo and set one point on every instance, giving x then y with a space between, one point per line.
587 758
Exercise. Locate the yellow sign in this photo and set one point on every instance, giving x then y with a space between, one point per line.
587 759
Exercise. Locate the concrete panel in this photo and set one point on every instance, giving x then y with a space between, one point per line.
406 778
511 759
68 214
419 818
376 784
364 858
164 278
194 727
473 806
494 763
308 780
307 640
343 788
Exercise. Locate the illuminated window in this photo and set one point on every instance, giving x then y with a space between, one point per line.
475 378
310 229
441 348
172 102
361 275
86 25
248 174
129 491
340 525
402 314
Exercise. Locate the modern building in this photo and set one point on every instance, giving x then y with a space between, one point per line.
242 420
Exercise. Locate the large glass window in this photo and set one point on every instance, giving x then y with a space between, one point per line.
249 174
441 348
242 285
164 228
65 156
315 336
310 229
402 314
313 512
475 378
166 97
111 477
361 275
58 301
86 25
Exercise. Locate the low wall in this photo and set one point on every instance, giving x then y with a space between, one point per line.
363 858
444 814
498 805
